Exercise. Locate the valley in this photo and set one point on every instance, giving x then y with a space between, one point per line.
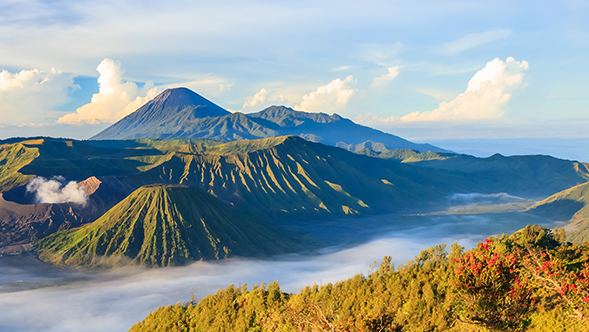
121 297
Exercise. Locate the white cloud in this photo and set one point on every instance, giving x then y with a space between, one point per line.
115 99
486 96
54 191
258 98
26 96
386 78
473 40
329 98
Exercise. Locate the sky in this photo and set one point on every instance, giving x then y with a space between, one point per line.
424 70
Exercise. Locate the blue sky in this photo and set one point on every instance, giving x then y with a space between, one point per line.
421 69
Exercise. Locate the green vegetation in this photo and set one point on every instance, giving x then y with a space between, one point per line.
570 205
530 274
13 157
160 226
530 176
288 177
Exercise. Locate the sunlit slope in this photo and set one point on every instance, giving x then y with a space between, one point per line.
569 205
294 177
13 157
533 175
161 226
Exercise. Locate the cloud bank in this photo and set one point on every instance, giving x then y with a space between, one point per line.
329 98
53 191
25 96
485 98
115 98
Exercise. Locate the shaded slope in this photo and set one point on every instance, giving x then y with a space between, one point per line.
168 109
160 226
534 175
78 160
331 129
232 127
570 205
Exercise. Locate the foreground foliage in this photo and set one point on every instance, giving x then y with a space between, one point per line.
527 281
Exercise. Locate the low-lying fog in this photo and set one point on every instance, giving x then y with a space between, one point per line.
35 297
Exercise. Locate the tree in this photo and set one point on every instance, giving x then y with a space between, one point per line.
492 290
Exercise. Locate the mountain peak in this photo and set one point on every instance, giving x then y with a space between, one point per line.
167 110
180 97
288 117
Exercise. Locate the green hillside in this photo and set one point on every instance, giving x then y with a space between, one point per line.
161 226
13 157
291 177
570 205
530 176
274 179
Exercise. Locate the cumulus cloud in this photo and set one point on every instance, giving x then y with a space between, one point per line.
26 96
54 191
473 40
386 78
485 98
115 99
258 98
329 98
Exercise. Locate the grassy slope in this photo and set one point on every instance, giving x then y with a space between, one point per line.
13 157
534 175
160 226
288 175
569 205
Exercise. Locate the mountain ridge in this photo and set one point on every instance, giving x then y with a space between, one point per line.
156 120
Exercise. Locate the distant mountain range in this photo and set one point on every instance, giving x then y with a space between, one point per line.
181 114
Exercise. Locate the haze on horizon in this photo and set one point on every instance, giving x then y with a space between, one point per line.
500 70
